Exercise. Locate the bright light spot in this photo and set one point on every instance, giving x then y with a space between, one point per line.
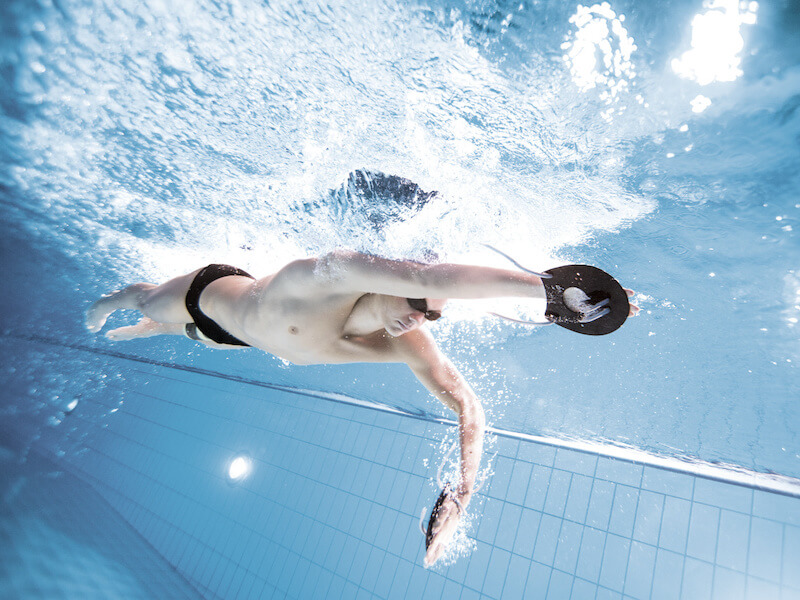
716 42
71 406
599 52
712 274
239 468
670 155
700 103
683 127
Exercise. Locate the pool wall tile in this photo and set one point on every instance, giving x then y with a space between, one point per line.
332 506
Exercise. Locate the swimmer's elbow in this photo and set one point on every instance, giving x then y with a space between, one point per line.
471 411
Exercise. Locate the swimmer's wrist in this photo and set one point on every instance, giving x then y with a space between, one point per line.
464 495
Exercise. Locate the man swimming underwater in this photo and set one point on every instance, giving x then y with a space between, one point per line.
347 307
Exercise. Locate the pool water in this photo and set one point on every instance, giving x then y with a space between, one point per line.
141 140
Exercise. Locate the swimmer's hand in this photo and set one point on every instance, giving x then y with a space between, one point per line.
445 525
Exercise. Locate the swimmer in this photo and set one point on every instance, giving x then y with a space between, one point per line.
346 307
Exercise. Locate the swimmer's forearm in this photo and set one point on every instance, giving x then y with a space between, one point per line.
372 274
472 423
450 280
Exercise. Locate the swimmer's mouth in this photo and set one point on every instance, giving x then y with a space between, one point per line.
403 326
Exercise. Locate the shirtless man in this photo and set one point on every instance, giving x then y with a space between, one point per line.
344 307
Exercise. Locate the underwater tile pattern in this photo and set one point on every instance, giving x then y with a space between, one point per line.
331 507
60 540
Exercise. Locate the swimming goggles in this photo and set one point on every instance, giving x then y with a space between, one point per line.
421 305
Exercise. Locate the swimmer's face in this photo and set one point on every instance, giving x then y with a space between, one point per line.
401 317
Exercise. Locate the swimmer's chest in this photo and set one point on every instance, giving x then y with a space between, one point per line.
307 332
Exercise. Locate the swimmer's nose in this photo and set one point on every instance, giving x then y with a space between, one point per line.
418 318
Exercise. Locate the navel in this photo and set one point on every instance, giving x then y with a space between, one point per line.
293 330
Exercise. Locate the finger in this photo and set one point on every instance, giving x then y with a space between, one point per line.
432 555
629 292
593 316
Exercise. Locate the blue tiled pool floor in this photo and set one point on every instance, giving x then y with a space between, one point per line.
331 507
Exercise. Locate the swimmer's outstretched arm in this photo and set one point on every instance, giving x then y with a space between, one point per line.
353 271
442 379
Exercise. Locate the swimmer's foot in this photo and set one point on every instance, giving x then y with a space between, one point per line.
130 297
144 328
99 312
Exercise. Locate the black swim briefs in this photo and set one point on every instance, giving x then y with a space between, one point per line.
207 326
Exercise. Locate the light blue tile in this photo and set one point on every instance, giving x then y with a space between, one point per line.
639 575
557 492
560 586
758 589
508 447
415 589
619 471
591 554
723 495
668 483
583 590
623 511
538 454
434 586
516 578
697 579
569 543
490 519
615 562
732 541
702 541
458 570
576 462
478 561
451 590
508 529
766 541
578 499
537 487
791 556
528 530
496 573
371 569
606 594
386 573
777 507
674 524
546 541
600 504
667 575
502 475
468 594
402 577
728 585
538 580
648 517
518 486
